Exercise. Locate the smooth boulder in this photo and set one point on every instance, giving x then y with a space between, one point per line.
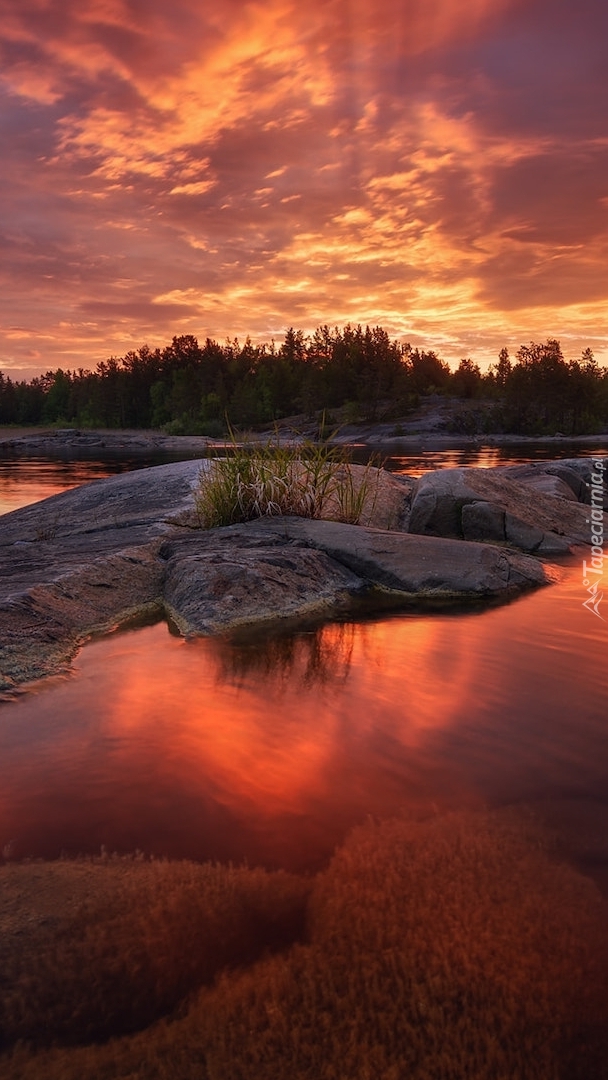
226 578
488 504
420 567
575 473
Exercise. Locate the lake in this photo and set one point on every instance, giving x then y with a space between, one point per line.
28 478
271 750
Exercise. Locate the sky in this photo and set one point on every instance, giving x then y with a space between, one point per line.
435 167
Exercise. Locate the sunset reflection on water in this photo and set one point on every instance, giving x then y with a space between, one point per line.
270 750
26 480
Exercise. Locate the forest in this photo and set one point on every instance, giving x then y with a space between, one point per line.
352 374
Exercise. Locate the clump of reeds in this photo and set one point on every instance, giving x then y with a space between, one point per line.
305 480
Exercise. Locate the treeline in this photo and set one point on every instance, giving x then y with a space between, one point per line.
188 388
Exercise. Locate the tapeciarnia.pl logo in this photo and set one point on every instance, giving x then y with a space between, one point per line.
593 571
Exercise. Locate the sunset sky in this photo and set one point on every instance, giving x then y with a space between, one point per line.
436 167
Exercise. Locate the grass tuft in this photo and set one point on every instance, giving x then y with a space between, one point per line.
305 480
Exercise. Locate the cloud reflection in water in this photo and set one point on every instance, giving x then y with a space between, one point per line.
270 750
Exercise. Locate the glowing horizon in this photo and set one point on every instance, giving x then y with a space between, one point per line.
439 170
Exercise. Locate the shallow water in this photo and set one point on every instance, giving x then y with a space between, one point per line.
271 751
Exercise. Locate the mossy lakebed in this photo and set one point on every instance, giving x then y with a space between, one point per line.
457 946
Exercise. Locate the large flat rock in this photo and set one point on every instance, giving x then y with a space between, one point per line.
227 578
420 567
87 560
95 519
83 561
43 625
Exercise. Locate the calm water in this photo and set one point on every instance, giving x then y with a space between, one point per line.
270 751
418 461
26 480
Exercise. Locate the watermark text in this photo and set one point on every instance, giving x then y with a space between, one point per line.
593 571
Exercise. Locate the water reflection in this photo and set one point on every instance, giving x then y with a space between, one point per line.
417 460
308 659
270 752
25 480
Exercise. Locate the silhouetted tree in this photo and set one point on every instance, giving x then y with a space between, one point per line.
467 380
193 388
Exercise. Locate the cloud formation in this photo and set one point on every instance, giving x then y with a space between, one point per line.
440 169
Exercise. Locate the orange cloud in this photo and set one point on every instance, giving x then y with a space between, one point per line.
436 168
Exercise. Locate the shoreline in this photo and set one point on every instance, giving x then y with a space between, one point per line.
22 441
462 534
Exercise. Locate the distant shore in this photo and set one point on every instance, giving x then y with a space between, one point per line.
24 440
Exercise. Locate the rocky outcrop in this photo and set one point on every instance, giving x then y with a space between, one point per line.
232 577
414 567
59 534
574 473
531 508
43 624
83 561
118 549
75 442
